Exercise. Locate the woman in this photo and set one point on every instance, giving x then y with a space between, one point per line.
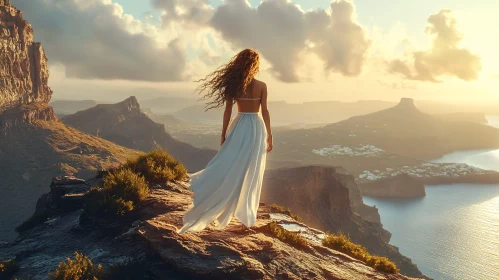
231 182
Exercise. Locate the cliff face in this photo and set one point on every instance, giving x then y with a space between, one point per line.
328 199
150 237
23 68
401 186
125 124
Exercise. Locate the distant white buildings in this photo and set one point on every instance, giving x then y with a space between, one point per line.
359 151
424 170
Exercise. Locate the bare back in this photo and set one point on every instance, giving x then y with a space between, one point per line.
251 101
255 97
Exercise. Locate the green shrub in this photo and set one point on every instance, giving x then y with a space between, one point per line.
81 268
280 209
341 242
382 264
95 200
120 207
125 187
292 238
8 269
126 184
121 191
158 166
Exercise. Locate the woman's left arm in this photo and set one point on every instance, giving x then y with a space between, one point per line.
227 114
266 119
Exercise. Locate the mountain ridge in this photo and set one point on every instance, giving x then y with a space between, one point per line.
125 124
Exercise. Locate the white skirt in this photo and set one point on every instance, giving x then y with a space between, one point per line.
231 183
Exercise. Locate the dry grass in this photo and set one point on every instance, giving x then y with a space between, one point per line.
292 238
8 269
80 268
120 192
126 184
341 242
125 187
280 209
158 166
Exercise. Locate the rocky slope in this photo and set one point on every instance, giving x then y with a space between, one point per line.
400 186
34 145
150 237
126 125
329 199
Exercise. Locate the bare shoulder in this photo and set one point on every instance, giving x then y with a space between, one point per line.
260 84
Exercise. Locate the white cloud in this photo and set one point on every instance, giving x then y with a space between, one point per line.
340 41
282 31
444 58
94 39
191 12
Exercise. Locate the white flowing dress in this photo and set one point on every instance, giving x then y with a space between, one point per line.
231 183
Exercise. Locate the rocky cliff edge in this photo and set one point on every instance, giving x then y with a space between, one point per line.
151 234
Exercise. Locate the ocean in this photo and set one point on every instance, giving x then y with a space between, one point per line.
453 232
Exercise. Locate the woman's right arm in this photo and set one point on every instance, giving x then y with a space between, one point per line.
266 118
227 114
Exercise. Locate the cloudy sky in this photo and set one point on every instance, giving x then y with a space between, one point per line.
312 49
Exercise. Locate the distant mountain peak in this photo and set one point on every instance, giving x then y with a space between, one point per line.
126 108
407 103
130 103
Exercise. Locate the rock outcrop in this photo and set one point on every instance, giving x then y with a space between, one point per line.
328 199
150 237
23 66
400 186
126 125
34 145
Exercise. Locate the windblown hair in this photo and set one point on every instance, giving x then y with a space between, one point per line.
230 80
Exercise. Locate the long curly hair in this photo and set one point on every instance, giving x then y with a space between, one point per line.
230 80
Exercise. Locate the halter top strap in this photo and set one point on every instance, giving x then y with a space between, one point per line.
249 98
